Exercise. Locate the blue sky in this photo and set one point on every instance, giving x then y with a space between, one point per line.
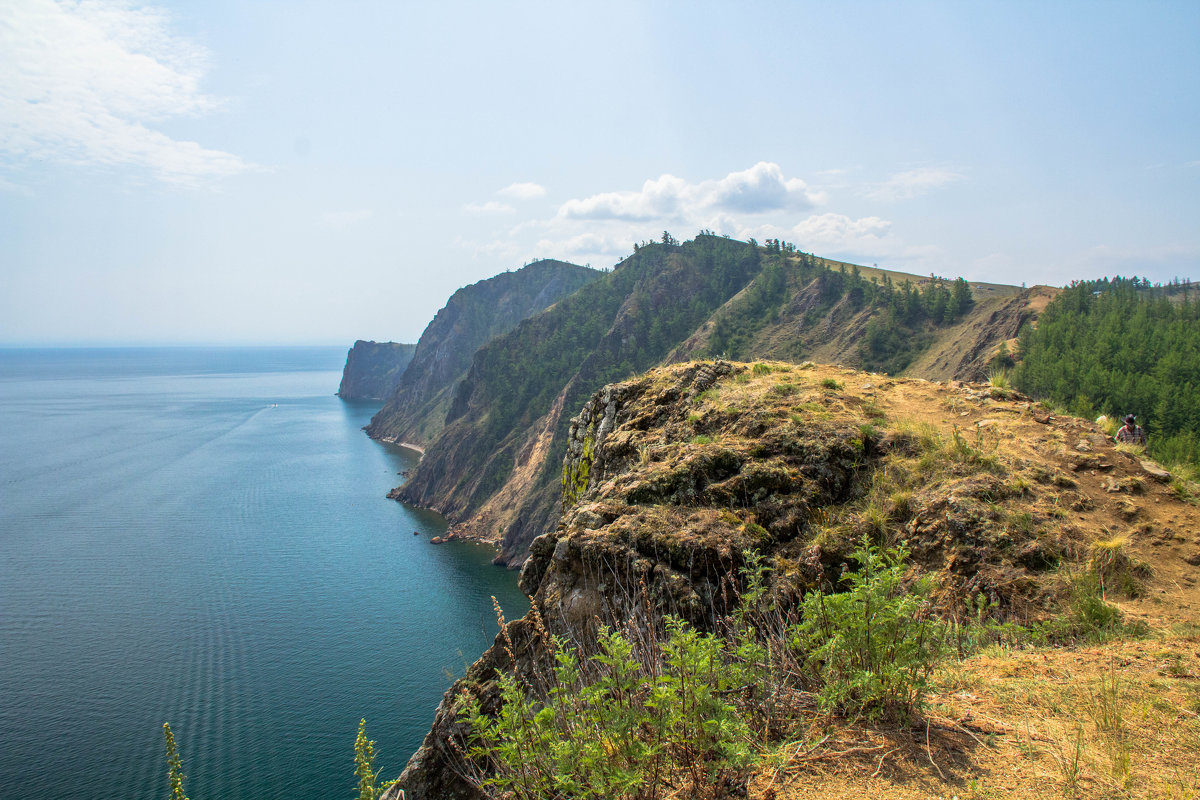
284 172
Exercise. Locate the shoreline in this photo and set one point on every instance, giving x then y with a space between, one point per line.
408 445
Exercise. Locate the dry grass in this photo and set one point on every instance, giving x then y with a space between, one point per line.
1119 720
1106 722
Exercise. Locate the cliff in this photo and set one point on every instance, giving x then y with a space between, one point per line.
373 369
474 315
493 468
670 482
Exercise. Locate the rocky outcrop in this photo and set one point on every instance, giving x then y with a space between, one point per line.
518 383
672 481
373 369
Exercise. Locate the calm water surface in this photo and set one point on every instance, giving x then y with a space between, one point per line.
201 537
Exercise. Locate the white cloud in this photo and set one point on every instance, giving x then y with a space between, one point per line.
587 245
913 183
760 202
81 82
523 191
839 232
490 207
762 188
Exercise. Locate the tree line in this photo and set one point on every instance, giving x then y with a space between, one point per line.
1121 346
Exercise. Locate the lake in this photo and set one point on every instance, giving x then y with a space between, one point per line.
201 537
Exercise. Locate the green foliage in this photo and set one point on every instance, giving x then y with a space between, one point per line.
175 774
614 327
620 723
904 317
1121 346
577 472
1003 361
874 646
1088 617
830 383
908 316
364 764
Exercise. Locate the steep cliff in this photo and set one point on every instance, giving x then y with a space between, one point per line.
474 315
495 466
671 480
493 470
373 369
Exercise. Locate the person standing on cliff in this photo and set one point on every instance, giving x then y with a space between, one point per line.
1131 432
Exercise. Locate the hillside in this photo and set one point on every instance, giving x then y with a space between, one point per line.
474 315
1011 513
494 469
373 369
805 307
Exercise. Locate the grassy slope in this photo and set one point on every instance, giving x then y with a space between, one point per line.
956 351
1040 722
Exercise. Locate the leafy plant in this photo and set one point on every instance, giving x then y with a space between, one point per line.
620 723
175 774
872 647
364 764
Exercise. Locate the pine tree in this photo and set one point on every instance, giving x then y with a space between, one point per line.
174 766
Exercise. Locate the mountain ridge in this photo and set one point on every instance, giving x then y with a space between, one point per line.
493 468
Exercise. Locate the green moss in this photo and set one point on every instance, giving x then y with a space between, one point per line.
576 473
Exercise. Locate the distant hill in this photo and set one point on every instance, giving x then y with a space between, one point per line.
474 315
373 369
494 469
802 307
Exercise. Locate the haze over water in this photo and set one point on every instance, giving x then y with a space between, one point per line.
201 537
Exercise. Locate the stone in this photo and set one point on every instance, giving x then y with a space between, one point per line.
1154 471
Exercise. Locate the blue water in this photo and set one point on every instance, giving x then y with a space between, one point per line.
201 537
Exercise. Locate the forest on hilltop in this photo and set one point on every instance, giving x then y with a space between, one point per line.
1122 346
905 316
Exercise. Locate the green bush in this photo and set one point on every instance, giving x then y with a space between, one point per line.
620 723
872 647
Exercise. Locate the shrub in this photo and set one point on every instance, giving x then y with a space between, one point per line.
621 722
873 647
830 383
174 766
364 764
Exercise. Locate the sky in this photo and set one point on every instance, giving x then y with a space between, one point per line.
240 172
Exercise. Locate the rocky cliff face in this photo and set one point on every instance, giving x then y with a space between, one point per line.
474 315
495 467
373 369
671 480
